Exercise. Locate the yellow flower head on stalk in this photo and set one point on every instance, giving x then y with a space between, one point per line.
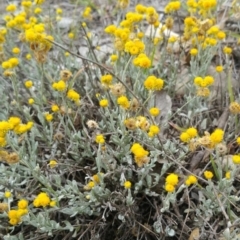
7 194
191 179
28 84
153 130
172 179
55 108
59 86
22 204
53 163
127 184
208 174
103 102
14 121
123 102
154 111
31 101
106 79
90 185
42 200
217 136
48 117
236 159
99 139
73 95
169 187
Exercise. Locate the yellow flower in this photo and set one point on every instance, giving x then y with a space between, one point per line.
236 159
217 136
123 102
31 101
228 175
169 188
190 180
22 204
154 111
28 84
219 68
53 163
28 56
172 179
52 203
48 117
100 139
90 185
71 35
103 103
59 86
185 137
238 140
42 200
14 221
7 194
106 79
55 108
127 184
227 50
192 132
59 11
193 51
14 121
114 57
16 50
11 8
208 174
73 95
37 10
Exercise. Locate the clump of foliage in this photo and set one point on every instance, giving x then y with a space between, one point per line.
135 140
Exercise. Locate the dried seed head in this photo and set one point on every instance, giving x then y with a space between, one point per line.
118 89
12 158
65 74
134 105
92 124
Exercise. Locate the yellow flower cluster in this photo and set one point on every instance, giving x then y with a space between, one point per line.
191 179
87 13
43 200
236 159
153 83
172 6
59 86
140 154
208 174
99 139
95 180
189 134
134 47
154 111
107 79
103 102
142 61
15 215
14 124
153 130
170 182
123 102
211 141
73 95
203 84
10 63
